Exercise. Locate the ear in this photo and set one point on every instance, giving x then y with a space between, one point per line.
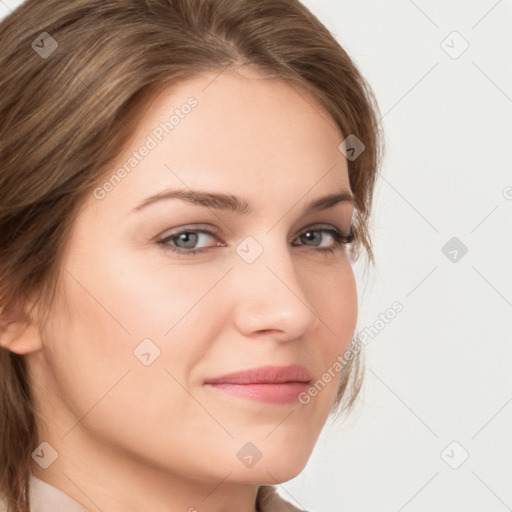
19 337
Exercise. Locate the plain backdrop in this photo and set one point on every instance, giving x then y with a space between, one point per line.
431 430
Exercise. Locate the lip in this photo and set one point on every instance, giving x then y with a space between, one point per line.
268 384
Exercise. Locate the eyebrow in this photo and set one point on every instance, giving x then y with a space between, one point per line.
238 205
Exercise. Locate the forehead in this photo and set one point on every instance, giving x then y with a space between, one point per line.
235 131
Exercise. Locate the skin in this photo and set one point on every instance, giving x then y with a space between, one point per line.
132 437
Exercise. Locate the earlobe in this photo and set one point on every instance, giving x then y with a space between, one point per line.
20 338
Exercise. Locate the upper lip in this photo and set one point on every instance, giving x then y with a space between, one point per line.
264 375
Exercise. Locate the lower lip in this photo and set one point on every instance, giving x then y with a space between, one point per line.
284 393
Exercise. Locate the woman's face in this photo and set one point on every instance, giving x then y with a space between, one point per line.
161 298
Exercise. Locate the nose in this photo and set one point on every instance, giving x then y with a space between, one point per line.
271 299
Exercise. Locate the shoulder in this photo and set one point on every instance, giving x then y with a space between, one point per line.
268 500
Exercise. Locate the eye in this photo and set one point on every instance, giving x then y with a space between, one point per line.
328 239
189 241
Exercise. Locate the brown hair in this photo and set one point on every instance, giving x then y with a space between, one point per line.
64 117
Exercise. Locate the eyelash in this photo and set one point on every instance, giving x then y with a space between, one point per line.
340 240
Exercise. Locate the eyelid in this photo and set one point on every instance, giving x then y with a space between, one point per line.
323 225
208 228
192 228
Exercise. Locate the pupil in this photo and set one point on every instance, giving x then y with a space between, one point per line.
313 236
190 239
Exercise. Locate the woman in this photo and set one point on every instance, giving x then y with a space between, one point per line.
185 185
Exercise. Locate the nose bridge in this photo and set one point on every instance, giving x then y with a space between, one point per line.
273 297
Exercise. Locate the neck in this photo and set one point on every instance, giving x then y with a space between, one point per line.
102 480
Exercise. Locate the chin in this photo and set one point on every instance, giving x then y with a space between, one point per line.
284 472
277 468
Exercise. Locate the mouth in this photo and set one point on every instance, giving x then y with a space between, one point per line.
268 384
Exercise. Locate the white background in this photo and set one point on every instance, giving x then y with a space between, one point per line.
440 371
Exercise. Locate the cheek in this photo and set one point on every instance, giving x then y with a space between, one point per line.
87 349
109 304
153 295
334 294
336 302
344 309
98 378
